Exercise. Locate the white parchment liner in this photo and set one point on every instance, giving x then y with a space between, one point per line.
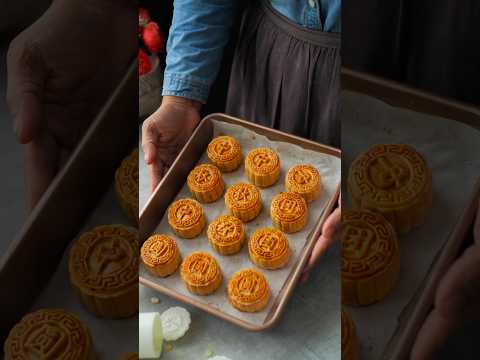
451 150
290 155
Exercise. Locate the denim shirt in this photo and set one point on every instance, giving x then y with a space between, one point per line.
201 29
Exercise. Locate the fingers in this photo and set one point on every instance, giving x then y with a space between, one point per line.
26 76
457 300
41 159
149 141
156 170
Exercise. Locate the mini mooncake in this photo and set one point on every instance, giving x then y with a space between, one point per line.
262 167
305 181
103 267
370 257
248 290
243 201
201 273
289 212
160 255
126 186
225 153
226 234
395 181
350 345
49 334
186 218
268 248
206 183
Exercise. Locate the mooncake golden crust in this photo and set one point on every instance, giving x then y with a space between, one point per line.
103 268
262 167
268 248
304 180
160 255
225 153
206 183
395 181
243 201
289 212
186 218
370 257
126 185
350 345
201 273
49 334
248 290
226 234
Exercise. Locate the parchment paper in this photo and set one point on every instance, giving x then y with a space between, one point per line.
451 150
329 168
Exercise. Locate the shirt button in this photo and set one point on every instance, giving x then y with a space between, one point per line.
311 3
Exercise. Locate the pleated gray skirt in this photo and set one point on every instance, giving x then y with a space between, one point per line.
285 76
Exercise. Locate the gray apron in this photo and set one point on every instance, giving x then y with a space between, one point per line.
286 76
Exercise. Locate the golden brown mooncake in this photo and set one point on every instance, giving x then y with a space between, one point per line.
225 153
289 212
304 180
186 218
103 268
201 273
243 201
262 167
206 183
248 290
370 257
268 248
350 345
126 186
393 180
49 334
160 255
226 234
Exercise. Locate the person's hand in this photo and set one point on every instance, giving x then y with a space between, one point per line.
457 300
329 233
60 71
165 132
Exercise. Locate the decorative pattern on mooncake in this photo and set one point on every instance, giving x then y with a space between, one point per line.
268 248
103 267
395 181
225 153
126 185
248 290
186 218
49 334
305 181
201 273
289 212
350 345
262 167
370 257
226 235
160 255
243 201
206 183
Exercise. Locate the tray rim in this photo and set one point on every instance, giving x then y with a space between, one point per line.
282 299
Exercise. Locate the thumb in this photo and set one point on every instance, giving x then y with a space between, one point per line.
26 76
149 141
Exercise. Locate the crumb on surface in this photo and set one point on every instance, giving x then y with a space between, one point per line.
168 347
154 300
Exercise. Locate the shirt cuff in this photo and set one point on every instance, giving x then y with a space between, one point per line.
185 86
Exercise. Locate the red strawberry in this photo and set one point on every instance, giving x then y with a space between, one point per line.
143 17
144 65
153 38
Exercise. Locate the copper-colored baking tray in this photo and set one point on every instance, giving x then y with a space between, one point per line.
398 95
175 178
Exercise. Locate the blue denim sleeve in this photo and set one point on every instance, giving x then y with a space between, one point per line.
199 32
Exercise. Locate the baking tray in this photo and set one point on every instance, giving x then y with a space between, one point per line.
415 312
174 180
34 254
